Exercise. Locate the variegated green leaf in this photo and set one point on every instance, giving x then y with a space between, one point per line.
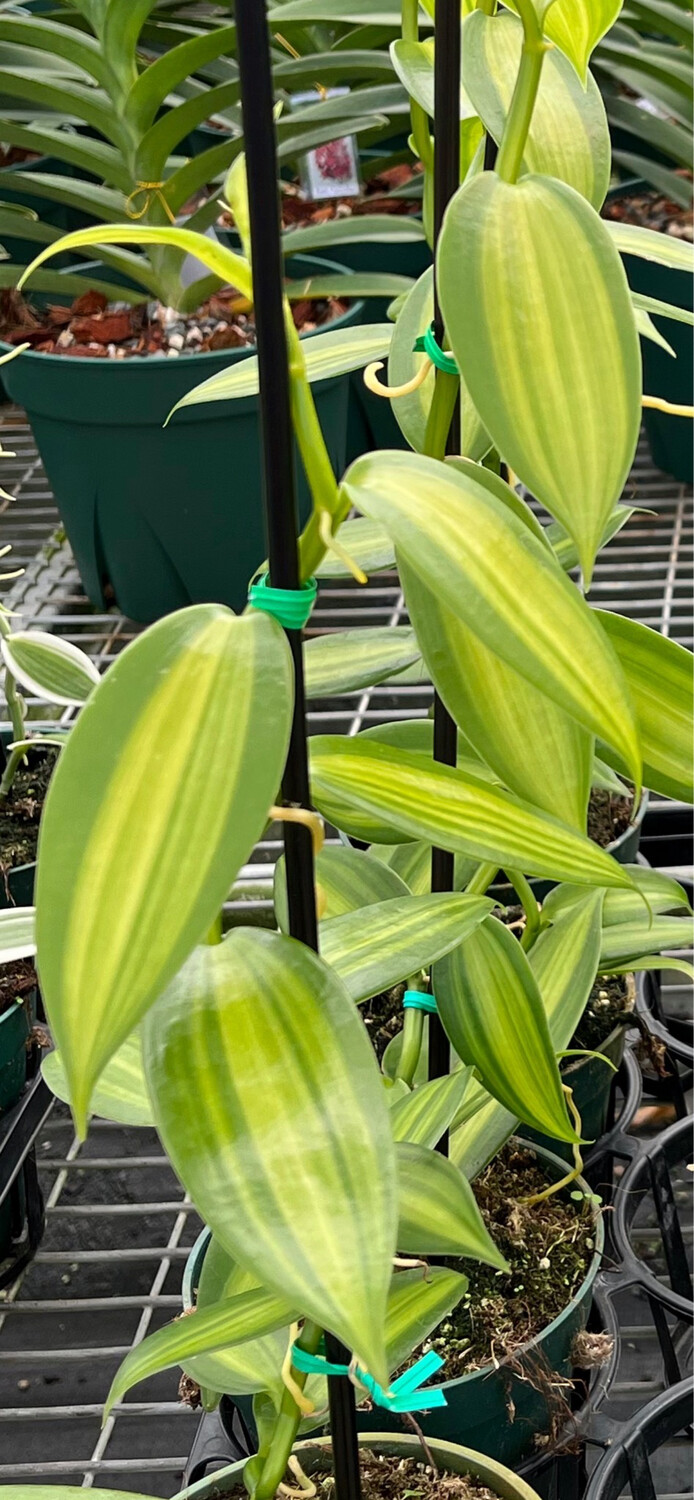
651 961
536 749
565 549
662 893
377 946
491 1007
414 64
380 229
120 1092
650 244
326 355
576 26
49 666
248 1315
502 582
411 412
569 136
367 544
438 1212
347 660
425 1114
418 735
256 1042
17 933
416 1305
659 677
256 1364
630 940
500 490
564 962
368 789
346 879
551 359
412 862
162 790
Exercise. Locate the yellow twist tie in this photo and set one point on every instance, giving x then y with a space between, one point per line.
151 190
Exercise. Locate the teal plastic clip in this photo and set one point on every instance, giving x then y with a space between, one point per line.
290 607
418 1000
405 1394
426 344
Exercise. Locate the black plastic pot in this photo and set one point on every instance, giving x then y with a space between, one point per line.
626 1468
669 438
159 518
496 1411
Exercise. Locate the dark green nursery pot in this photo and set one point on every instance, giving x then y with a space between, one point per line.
591 1081
159 518
15 1030
315 1457
669 438
495 1411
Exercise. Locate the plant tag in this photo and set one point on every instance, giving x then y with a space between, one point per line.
332 169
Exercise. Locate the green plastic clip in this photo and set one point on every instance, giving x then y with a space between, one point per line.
418 1000
290 607
426 344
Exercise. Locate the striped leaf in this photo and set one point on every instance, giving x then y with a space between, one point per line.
49 666
375 947
120 1092
412 862
425 1114
347 879
248 1315
625 941
381 229
551 359
500 581
662 893
569 136
418 735
367 544
491 1007
438 1212
17 933
659 676
416 1305
577 26
326 355
564 962
162 790
358 785
650 244
348 660
651 961
536 749
411 412
564 548
267 1095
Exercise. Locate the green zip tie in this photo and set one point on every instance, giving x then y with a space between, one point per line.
291 607
427 344
418 1000
407 1393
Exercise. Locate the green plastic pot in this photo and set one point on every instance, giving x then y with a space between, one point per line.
592 1082
160 518
477 1413
15 1030
669 438
316 1456
17 888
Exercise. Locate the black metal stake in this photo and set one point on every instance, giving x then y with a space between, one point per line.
446 183
281 526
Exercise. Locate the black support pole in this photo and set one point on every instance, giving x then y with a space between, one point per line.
281 526
446 183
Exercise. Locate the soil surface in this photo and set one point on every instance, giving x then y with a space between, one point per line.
654 210
608 1004
382 1017
380 196
17 980
20 813
384 1478
93 327
608 816
548 1246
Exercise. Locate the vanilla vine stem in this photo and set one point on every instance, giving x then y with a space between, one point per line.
513 141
